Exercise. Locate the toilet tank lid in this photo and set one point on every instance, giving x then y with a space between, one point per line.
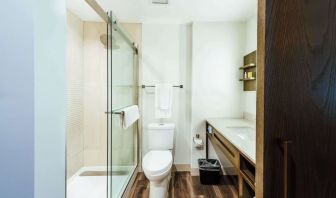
161 126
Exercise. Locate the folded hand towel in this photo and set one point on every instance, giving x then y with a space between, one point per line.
129 116
163 100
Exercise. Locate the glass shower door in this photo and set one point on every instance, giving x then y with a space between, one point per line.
122 92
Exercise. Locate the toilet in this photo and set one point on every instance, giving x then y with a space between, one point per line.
158 161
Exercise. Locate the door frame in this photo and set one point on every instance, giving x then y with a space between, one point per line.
260 99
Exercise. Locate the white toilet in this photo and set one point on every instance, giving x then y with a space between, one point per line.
158 161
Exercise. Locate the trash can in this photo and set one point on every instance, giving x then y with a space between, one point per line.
209 171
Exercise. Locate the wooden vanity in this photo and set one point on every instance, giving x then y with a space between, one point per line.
235 145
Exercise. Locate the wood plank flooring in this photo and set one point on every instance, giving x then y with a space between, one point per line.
184 186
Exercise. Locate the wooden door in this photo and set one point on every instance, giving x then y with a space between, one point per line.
298 98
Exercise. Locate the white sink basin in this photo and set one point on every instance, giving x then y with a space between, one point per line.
245 133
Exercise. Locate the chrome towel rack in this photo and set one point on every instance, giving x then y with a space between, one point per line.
177 86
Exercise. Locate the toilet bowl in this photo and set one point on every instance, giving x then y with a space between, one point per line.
158 161
157 167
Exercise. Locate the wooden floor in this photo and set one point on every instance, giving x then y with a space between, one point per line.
184 186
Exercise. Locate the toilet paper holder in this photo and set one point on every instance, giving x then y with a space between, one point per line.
199 144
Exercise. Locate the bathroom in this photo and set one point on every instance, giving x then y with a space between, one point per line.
190 56
167 98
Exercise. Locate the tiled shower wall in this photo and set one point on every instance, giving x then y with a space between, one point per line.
74 93
86 95
94 95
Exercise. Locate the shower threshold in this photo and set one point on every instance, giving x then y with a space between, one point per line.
104 173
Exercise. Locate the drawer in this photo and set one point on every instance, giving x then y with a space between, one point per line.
226 147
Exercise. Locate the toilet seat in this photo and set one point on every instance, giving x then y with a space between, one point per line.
157 163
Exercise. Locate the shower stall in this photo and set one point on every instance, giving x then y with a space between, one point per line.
108 161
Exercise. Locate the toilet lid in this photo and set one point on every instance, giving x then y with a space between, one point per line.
157 162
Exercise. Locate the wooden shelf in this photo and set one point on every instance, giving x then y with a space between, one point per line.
247 168
247 172
247 79
248 66
247 180
247 190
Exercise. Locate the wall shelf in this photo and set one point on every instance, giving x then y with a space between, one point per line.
250 65
247 79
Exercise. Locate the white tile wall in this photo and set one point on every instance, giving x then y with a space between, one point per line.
74 94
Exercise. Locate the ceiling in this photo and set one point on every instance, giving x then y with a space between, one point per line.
177 11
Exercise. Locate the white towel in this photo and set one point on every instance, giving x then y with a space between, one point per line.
163 100
129 116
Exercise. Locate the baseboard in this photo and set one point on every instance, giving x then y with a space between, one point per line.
194 172
182 167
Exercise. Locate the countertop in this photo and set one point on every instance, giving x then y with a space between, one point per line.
240 132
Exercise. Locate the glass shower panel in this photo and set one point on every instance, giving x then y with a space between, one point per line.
122 93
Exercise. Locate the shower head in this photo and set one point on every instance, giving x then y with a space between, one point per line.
103 39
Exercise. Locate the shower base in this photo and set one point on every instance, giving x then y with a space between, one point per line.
91 182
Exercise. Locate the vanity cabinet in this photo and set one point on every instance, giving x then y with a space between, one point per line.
225 146
243 167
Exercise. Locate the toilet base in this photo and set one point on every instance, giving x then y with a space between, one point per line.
159 189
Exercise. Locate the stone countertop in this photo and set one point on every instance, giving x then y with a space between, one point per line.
240 132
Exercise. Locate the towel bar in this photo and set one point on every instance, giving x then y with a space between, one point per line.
178 86
115 112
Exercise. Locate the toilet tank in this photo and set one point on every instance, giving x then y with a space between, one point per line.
161 136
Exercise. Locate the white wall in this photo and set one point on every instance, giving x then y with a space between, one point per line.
218 50
17 99
249 97
166 59
49 41
32 124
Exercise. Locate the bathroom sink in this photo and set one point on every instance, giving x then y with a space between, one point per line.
245 133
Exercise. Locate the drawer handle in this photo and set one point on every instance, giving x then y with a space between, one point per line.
285 165
224 145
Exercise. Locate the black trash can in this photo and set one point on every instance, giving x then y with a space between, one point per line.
209 171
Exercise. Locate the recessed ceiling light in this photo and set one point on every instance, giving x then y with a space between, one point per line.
160 1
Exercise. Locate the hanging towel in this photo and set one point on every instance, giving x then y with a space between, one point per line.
163 100
129 116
